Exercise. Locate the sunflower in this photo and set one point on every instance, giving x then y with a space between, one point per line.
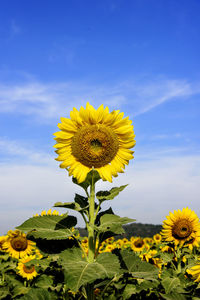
138 244
157 238
182 227
2 241
27 272
17 244
48 213
195 272
94 139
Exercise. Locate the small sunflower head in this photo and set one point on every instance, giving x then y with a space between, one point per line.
182 227
27 271
138 244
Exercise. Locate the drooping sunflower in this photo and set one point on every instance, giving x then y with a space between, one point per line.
94 139
48 213
17 244
27 272
182 227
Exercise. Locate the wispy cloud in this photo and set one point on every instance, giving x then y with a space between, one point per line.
22 151
164 136
49 100
14 28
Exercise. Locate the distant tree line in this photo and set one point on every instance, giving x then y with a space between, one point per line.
133 229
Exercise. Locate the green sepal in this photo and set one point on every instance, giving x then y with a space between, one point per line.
78 271
49 227
109 195
88 180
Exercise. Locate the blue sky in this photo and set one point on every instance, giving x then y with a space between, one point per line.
141 57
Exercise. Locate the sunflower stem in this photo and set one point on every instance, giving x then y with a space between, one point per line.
91 244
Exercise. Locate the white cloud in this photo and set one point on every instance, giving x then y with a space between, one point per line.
22 150
50 101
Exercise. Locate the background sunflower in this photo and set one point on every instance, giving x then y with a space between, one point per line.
181 227
17 244
27 272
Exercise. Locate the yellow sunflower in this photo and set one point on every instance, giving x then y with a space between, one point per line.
94 139
48 213
27 272
157 238
138 244
195 272
182 227
17 244
2 241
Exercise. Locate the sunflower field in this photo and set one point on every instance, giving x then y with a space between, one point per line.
45 258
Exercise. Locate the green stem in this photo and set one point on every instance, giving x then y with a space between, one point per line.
97 210
102 293
90 227
91 234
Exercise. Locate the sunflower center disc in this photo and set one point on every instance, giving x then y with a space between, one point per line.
28 269
19 243
139 244
182 229
95 145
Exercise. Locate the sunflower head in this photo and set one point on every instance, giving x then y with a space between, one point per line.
17 244
138 244
157 238
182 227
27 271
94 139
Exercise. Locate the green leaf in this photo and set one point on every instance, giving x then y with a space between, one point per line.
4 292
174 296
88 180
109 195
138 268
100 214
166 257
20 290
109 222
49 227
79 272
44 281
170 284
82 201
129 290
70 205
80 204
39 294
